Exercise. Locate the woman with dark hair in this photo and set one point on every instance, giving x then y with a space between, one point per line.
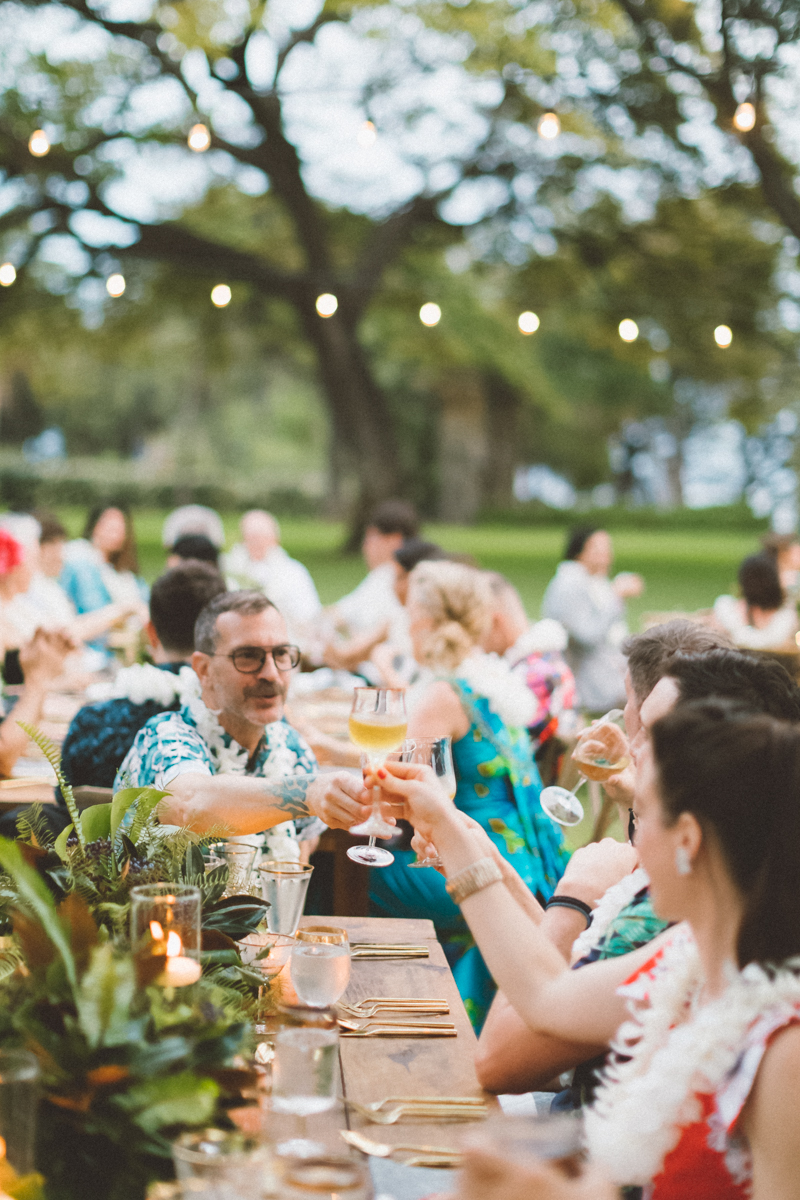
704 1097
762 618
591 608
100 568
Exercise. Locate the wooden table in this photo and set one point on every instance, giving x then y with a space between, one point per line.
374 1068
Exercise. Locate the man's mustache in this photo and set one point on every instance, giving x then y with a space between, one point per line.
264 690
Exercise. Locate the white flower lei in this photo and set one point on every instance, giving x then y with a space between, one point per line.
611 905
509 697
676 1050
140 683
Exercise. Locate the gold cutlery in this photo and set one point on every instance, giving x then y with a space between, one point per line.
419 1112
425 1156
399 1000
431 1009
375 1029
459 1101
352 1025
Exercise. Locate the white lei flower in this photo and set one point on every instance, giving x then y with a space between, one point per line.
611 905
676 1050
509 698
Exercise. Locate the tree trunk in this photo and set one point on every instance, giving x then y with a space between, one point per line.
503 408
462 446
362 423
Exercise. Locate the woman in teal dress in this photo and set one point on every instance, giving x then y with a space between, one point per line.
484 708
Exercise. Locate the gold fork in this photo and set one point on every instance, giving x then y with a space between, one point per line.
432 1009
429 1156
435 1112
386 1029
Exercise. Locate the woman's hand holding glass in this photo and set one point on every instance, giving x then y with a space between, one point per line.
427 804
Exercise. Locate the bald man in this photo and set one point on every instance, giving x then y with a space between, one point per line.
260 561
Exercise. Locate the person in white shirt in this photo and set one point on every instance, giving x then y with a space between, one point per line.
763 618
260 561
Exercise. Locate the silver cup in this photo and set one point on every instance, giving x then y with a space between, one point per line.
284 886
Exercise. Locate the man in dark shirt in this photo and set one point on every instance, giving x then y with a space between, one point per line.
102 734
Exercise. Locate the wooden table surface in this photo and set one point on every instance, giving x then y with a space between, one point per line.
375 1068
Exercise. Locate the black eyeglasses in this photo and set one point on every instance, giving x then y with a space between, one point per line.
249 660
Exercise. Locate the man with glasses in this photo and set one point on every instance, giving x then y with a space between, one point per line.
229 760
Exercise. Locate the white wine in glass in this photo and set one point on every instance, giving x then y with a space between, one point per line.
601 751
378 725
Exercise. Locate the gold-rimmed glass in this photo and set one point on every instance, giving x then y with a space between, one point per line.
378 724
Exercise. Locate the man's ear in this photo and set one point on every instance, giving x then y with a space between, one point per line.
200 664
152 636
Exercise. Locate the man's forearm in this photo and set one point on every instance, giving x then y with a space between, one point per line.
235 804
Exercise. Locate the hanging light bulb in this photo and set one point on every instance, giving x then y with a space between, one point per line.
221 295
115 285
199 138
39 143
628 330
430 314
367 134
326 304
7 274
528 322
723 336
549 126
744 118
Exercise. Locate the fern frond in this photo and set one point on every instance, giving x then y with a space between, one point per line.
32 826
51 752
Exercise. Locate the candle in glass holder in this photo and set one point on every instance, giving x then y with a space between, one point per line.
165 934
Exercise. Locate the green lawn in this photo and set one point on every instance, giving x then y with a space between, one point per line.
683 570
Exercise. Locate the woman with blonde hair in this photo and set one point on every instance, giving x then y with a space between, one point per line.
475 699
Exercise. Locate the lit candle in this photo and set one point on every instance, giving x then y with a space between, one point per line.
179 970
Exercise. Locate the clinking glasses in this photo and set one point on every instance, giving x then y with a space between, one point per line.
249 660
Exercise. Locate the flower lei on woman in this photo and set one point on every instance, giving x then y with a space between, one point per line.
675 1048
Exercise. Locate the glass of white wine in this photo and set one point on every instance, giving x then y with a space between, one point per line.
601 751
438 754
378 725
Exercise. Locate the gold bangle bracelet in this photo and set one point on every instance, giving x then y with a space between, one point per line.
472 879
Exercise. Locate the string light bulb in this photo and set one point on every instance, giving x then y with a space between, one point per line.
115 285
39 143
326 304
528 322
744 119
221 295
7 274
430 314
367 134
199 138
723 336
549 126
628 330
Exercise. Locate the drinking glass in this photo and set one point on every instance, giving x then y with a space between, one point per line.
165 934
556 1137
305 1074
284 885
19 1079
228 1162
324 1167
240 859
378 724
321 965
600 752
438 754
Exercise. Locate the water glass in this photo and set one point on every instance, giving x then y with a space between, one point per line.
240 859
226 1162
305 1072
323 1166
557 1137
321 964
284 886
19 1078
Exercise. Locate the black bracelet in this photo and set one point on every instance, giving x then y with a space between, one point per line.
573 903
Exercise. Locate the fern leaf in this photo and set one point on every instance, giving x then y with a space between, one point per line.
32 827
50 751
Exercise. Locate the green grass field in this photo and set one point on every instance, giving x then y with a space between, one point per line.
682 570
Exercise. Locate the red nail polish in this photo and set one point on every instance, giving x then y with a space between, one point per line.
381 774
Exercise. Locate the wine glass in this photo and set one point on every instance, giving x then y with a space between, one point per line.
321 965
438 754
600 752
378 724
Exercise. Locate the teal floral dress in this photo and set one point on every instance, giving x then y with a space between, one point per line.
499 786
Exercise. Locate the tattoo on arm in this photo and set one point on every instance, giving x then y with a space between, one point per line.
289 794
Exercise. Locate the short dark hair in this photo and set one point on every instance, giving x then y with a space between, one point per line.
414 550
196 546
51 528
762 685
775 543
739 775
126 558
760 582
176 600
577 539
395 516
248 603
649 653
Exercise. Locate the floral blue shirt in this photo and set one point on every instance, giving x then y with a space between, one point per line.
171 744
